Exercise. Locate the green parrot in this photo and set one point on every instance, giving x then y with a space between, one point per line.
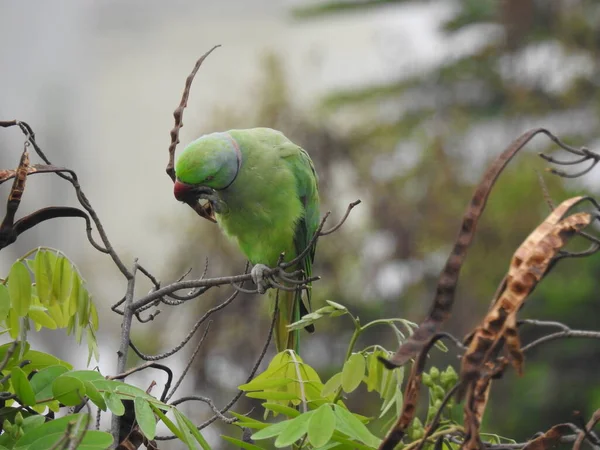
264 191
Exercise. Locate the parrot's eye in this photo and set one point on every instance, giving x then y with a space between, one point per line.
209 178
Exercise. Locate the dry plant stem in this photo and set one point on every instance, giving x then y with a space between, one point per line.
561 335
71 177
178 113
343 219
206 400
566 332
446 288
168 396
185 340
204 212
588 428
139 369
128 312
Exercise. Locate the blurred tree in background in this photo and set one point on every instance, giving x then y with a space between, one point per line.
412 149
418 143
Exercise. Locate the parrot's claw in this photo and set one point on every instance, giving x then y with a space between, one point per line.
259 275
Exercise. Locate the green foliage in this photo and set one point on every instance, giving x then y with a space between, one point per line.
315 415
41 381
45 289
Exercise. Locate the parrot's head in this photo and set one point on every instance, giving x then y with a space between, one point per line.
207 165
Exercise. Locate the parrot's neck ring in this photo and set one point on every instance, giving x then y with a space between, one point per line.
238 154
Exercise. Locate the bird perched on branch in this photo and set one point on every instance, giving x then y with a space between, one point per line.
263 189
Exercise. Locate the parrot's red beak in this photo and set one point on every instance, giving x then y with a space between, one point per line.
182 191
190 194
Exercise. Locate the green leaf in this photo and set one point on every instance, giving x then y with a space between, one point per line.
39 360
168 422
393 379
87 375
265 383
353 372
94 317
125 390
57 279
4 302
241 444
348 424
333 445
321 426
270 431
19 288
281 409
186 436
68 390
41 382
61 280
42 271
375 372
336 305
194 431
83 307
22 387
42 319
70 308
53 426
55 311
92 440
94 395
13 323
32 422
388 402
332 385
92 345
114 403
95 440
145 417
49 441
294 430
248 422
272 395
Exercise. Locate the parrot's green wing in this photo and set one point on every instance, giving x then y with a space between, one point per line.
307 189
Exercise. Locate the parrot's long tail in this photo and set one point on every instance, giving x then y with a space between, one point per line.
288 312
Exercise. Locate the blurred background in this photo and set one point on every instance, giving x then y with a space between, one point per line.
401 104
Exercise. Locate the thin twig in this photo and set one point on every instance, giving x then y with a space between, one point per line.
168 396
342 220
186 339
209 402
240 393
560 335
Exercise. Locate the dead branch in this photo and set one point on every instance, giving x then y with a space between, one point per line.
446 288
203 211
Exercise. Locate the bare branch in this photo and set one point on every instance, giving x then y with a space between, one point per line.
209 402
240 393
168 396
191 333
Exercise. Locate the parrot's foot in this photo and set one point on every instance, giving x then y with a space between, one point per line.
259 275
